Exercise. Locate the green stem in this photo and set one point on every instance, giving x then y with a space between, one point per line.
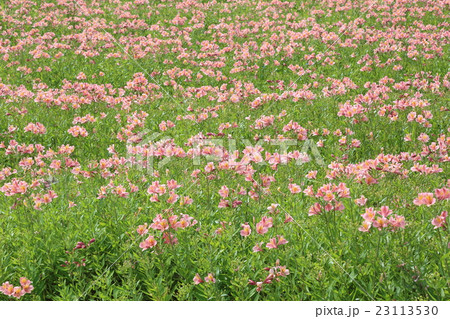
378 244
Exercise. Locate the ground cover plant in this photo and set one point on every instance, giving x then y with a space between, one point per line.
224 150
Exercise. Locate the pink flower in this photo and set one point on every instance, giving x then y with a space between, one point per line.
369 215
361 201
224 203
267 221
308 191
283 271
440 220
338 206
315 209
173 197
18 292
424 199
236 203
163 126
121 191
294 188
257 247
380 223
423 137
224 192
259 286
186 200
76 131
273 208
142 229
442 193
7 288
272 276
397 222
159 223
288 218
24 281
148 243
261 228
328 197
281 240
28 288
365 226
385 211
209 167
37 128
210 278
343 191
173 184
195 173
197 279
311 175
246 230
272 244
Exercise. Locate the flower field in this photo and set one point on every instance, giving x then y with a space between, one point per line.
224 150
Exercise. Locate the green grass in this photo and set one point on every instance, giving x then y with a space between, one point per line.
327 256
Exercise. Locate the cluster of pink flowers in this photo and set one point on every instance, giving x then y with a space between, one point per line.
15 148
35 128
173 222
273 243
211 78
118 190
294 188
440 221
424 169
209 278
263 121
14 187
165 125
246 230
162 224
40 199
25 288
88 118
361 201
328 194
428 198
262 227
381 222
76 131
156 189
275 273
424 199
225 195
148 243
